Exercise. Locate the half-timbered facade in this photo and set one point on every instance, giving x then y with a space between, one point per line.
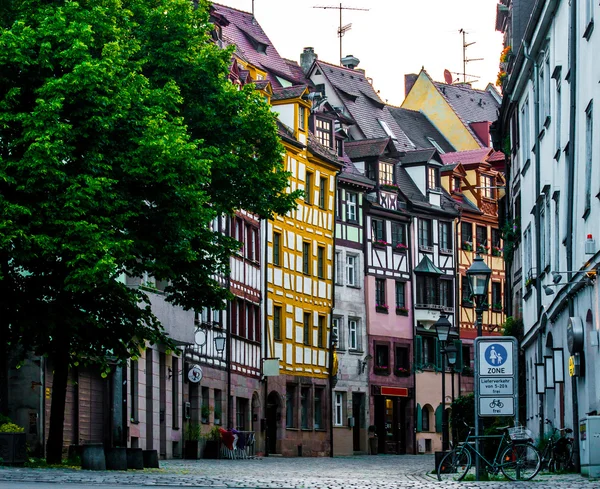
300 288
433 282
477 186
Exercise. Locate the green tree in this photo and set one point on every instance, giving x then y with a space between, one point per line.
121 139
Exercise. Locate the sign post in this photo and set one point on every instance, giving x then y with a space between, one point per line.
496 379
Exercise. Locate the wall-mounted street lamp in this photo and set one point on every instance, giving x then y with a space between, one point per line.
443 329
220 343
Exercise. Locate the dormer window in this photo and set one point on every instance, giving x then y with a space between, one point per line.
387 129
323 132
301 118
432 178
435 145
487 182
386 173
456 183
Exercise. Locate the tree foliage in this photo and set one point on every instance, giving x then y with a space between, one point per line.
121 139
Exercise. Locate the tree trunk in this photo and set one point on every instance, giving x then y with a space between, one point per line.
54 446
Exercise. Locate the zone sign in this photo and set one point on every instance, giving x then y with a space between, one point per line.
496 358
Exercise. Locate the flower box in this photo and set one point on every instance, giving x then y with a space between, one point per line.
482 249
467 303
401 247
384 308
381 369
467 246
496 251
380 243
497 306
389 186
402 311
402 372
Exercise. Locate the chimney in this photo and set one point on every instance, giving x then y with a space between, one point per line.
409 81
350 62
307 58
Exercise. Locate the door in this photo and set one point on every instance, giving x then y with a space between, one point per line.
273 410
358 413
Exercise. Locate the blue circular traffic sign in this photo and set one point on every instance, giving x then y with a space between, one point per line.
495 355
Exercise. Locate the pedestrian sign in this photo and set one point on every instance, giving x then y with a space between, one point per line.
495 358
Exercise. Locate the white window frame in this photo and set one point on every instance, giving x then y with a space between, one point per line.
337 325
351 270
338 409
351 205
339 269
353 334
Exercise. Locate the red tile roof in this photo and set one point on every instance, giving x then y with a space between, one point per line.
466 157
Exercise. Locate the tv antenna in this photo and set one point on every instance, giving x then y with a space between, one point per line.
465 59
342 29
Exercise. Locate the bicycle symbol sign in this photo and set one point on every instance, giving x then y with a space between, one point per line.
496 403
496 355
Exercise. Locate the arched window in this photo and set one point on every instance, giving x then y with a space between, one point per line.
426 417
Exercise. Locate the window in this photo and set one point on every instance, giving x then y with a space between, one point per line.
175 392
525 129
429 351
427 290
252 249
134 389
542 233
446 296
401 360
301 118
589 16
290 406
466 229
277 322
546 89
205 404
432 178
323 132
335 330
304 407
351 270
382 360
319 408
558 109
446 236
218 406
456 184
387 129
352 334
425 237
241 413
556 231
425 418
321 262
496 238
351 199
380 292
308 188
398 235
339 409
527 252
400 294
378 230
307 328
306 258
339 271
322 192
277 249
321 331
542 91
339 147
496 295
488 184
481 237
465 292
589 133
386 173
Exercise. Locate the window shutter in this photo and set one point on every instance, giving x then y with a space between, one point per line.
418 353
458 366
439 415
438 356
419 418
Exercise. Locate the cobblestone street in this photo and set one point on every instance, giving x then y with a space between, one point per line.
380 472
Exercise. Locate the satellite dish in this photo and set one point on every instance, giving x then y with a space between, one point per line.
448 77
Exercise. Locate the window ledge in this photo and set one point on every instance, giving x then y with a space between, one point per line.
586 213
426 249
444 251
319 429
588 30
526 167
292 429
557 154
547 121
542 133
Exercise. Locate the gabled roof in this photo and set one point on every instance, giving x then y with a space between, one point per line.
419 128
427 266
365 148
252 44
362 103
470 104
296 70
466 157
419 156
350 174
289 92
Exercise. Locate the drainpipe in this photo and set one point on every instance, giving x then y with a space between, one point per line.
412 295
265 336
536 152
331 342
571 198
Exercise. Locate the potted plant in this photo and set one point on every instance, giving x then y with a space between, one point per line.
382 308
467 245
400 247
402 372
204 413
482 249
193 435
496 251
467 303
497 306
13 442
217 415
380 243
213 443
402 311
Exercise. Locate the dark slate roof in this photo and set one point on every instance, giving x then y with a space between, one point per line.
261 84
470 104
287 133
363 104
316 147
448 203
365 148
297 71
407 186
288 92
448 167
418 128
427 266
418 156
469 205
247 35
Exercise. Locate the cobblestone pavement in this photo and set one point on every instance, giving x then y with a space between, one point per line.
369 472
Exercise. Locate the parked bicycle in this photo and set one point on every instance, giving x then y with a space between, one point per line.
558 452
515 457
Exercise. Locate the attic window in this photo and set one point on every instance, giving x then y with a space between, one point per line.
435 145
387 129
318 72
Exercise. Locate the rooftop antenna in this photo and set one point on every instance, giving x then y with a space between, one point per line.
342 29
465 59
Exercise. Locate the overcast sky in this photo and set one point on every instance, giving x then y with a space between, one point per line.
392 38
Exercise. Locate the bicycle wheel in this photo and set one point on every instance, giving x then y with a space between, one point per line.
455 465
520 462
564 456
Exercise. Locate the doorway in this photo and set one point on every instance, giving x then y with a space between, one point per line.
273 418
358 411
